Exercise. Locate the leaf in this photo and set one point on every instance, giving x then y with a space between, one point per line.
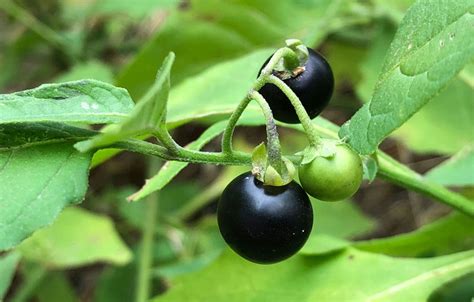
34 134
139 9
323 244
76 238
145 117
8 265
365 276
209 44
445 115
425 54
209 93
331 218
170 169
370 168
448 112
218 31
55 287
459 289
447 235
456 171
89 70
37 183
85 101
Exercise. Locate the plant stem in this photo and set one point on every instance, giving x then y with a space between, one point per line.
259 83
229 130
30 21
303 116
32 280
393 171
145 260
167 140
273 142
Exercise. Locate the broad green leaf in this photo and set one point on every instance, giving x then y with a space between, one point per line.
145 117
427 51
170 169
217 90
459 289
205 44
322 244
218 31
89 70
55 287
37 183
76 238
85 101
34 134
139 9
340 219
8 265
447 235
394 9
448 112
457 171
347 276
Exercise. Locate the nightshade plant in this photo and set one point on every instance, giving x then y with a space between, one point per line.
47 146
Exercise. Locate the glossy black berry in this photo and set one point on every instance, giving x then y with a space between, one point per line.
314 87
264 224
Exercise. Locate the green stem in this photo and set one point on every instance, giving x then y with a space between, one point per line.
167 140
303 116
259 83
32 280
229 130
273 142
393 171
30 21
146 259
389 169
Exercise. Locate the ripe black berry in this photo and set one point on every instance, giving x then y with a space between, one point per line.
264 224
314 87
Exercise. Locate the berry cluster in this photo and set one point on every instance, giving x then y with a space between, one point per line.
265 223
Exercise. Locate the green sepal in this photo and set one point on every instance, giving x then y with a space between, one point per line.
326 149
266 173
370 167
259 161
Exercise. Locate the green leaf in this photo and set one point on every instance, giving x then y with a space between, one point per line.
55 287
322 244
208 93
8 265
170 169
365 276
370 168
459 289
206 44
76 238
457 171
331 218
447 235
218 31
85 101
89 70
445 115
37 183
145 117
34 134
139 9
448 112
427 51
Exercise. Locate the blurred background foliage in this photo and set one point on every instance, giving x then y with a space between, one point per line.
91 252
